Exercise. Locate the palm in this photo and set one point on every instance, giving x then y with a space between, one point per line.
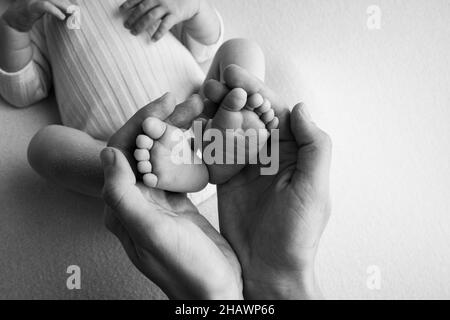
184 245
267 220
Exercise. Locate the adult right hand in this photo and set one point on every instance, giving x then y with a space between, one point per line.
274 223
23 14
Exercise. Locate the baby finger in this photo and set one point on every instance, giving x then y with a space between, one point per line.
140 10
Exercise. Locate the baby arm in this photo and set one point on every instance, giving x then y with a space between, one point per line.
24 72
157 17
22 81
205 26
16 50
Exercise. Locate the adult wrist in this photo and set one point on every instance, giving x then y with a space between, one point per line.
232 290
298 282
226 295
299 286
229 293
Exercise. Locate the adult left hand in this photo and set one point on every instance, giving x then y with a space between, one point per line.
163 233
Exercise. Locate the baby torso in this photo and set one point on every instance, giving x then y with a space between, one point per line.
102 74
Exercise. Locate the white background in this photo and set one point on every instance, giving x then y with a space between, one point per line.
382 95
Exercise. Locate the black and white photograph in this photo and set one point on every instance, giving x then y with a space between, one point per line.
209 150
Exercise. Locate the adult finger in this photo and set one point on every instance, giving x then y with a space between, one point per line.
215 91
125 138
164 27
237 77
119 178
121 194
186 112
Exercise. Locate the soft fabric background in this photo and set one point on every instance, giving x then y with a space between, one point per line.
382 95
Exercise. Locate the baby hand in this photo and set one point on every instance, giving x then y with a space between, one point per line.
23 14
158 16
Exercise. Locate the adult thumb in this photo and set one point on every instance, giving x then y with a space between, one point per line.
121 194
118 176
314 150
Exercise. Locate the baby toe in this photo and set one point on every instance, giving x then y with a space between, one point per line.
268 116
264 107
150 180
144 167
154 127
144 142
235 100
255 101
272 125
142 155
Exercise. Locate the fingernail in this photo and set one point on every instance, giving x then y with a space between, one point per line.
108 157
304 112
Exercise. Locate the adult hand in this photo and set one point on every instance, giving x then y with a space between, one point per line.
158 16
274 223
163 233
23 14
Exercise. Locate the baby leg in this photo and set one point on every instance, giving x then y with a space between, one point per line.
244 112
68 157
242 52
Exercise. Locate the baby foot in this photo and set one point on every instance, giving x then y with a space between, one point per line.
166 160
239 113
